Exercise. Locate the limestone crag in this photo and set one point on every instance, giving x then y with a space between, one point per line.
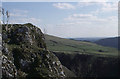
25 54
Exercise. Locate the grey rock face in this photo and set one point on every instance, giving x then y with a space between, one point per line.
8 68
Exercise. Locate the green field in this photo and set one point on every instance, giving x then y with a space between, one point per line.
71 46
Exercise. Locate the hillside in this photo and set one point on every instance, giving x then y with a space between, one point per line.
89 39
70 46
110 42
85 59
25 55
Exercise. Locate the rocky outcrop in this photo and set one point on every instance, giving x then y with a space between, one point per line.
25 54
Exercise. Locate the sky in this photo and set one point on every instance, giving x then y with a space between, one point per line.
67 19
60 0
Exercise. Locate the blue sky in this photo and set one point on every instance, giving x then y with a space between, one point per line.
68 19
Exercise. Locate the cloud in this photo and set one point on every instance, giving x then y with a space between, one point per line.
102 7
94 0
107 7
84 4
89 25
21 16
84 18
18 13
63 6
26 20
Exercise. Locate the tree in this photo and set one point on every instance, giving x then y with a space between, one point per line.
45 31
0 14
3 13
0 20
8 15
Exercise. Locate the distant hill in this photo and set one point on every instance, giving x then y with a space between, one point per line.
110 42
87 39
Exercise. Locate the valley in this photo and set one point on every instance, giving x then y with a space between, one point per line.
85 59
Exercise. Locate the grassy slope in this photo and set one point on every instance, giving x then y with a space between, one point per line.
71 46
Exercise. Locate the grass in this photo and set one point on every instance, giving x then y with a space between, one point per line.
72 46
